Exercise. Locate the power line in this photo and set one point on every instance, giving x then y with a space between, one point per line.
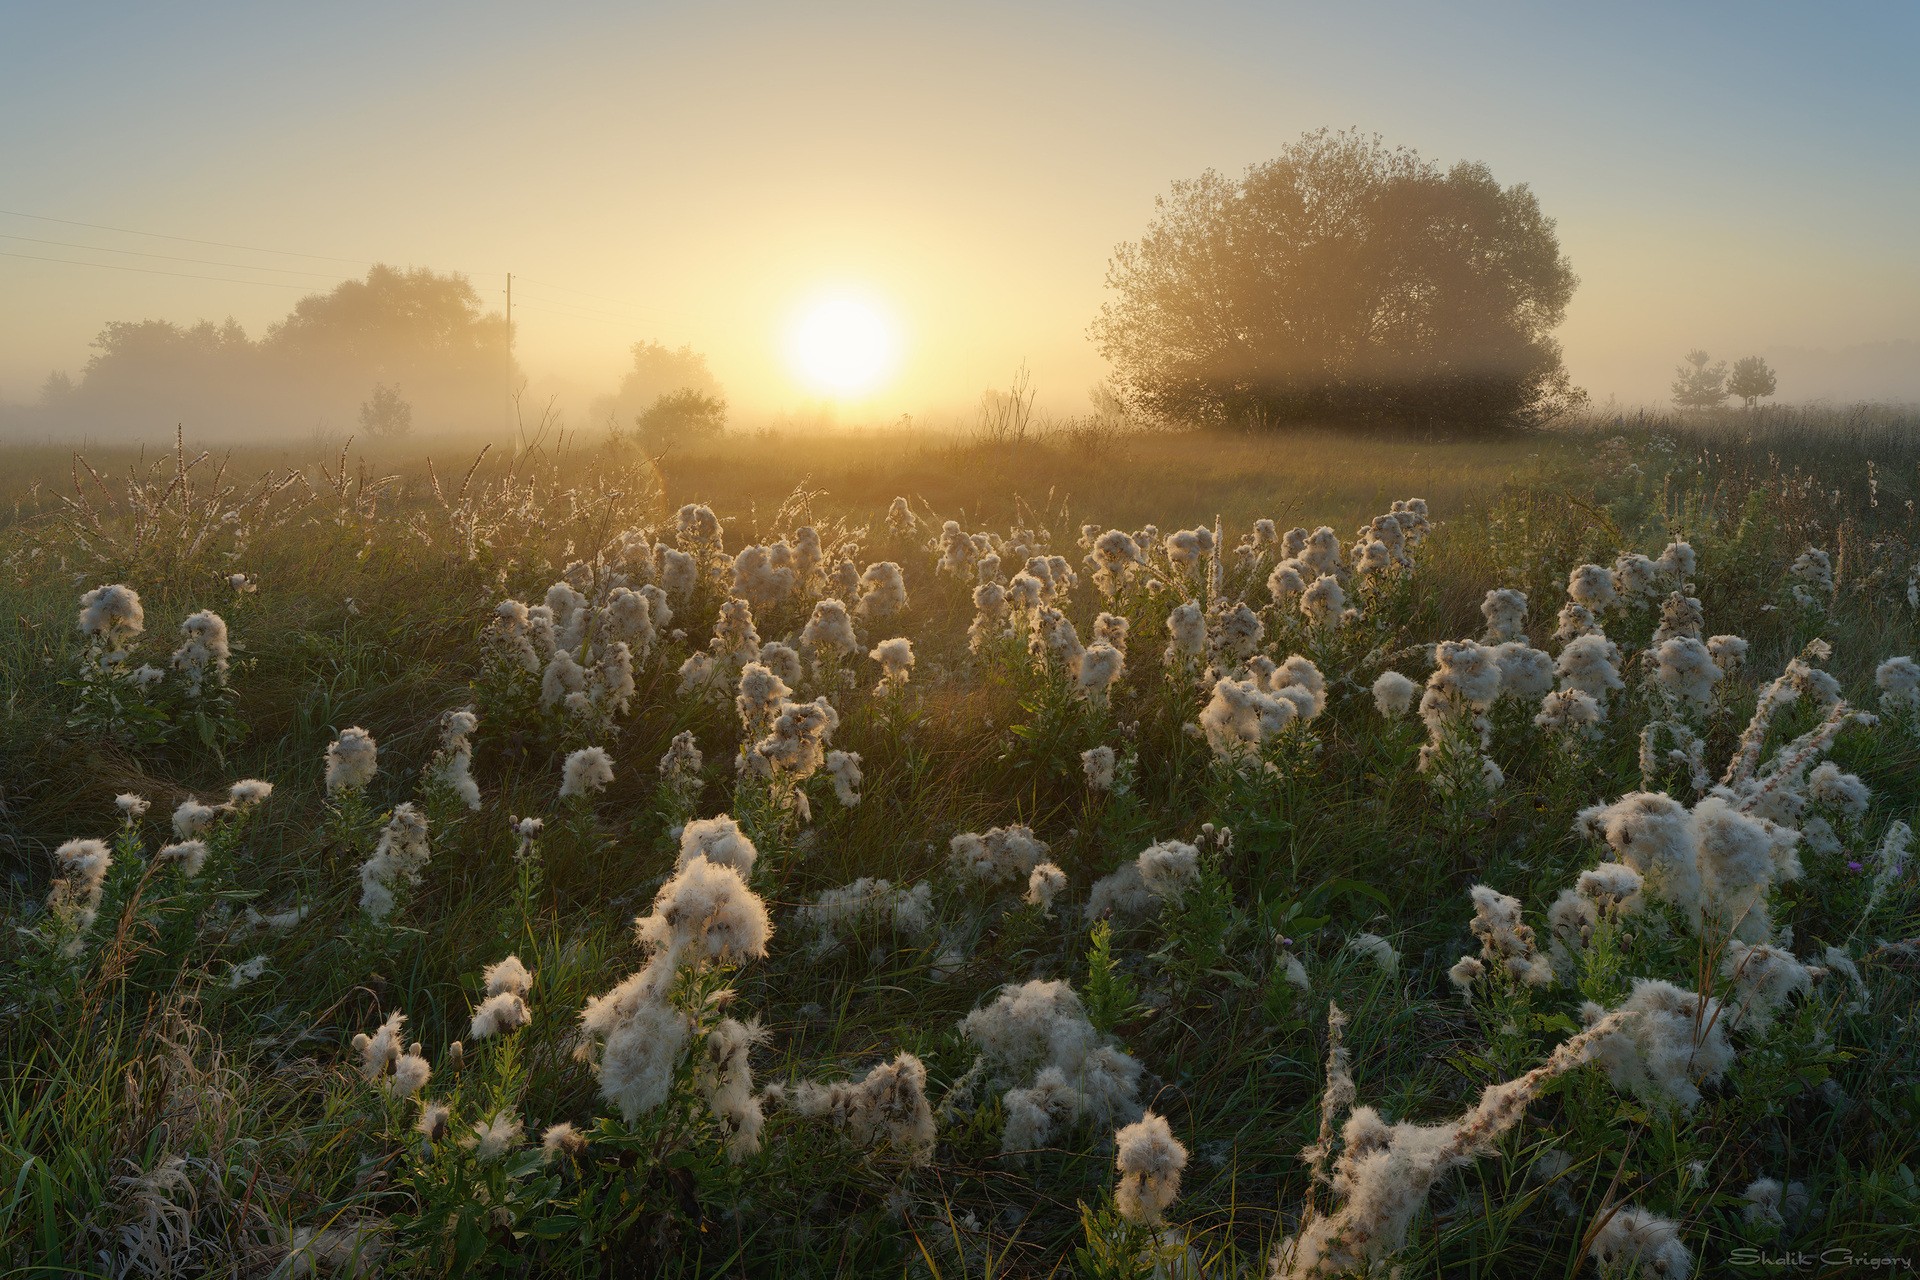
205 262
153 271
217 244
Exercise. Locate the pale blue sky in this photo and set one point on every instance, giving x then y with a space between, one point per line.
1736 176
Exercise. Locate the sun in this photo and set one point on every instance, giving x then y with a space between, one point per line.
843 344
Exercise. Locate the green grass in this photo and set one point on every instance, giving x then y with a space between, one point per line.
142 1055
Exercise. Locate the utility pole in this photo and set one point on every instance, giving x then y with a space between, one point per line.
509 404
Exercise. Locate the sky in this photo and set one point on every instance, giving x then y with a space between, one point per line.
1739 177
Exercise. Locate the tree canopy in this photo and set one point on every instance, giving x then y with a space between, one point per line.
1342 280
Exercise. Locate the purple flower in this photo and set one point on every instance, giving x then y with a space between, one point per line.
1853 866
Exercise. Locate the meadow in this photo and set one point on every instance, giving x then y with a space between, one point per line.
1100 853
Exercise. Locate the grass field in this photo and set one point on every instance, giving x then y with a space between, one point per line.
182 1093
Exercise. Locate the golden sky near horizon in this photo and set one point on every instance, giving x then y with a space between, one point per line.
1730 178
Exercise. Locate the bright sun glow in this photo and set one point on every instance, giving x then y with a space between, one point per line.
844 344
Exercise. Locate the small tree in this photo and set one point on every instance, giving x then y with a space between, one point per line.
680 417
386 414
1698 383
1752 378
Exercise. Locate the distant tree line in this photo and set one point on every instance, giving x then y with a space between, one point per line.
399 349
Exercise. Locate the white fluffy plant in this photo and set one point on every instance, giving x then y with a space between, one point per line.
640 1037
1378 1173
1058 1072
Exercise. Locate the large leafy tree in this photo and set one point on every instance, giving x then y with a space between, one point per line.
1342 280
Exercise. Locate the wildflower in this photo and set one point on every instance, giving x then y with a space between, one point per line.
627 617
844 766
720 841
990 616
1812 575
1681 615
1505 940
1321 552
1233 634
725 1078
1045 883
1738 857
1591 587
112 618
1038 1031
1590 664
1465 972
351 760
1570 709
1575 620
908 911
1378 950
1670 1043
762 694
635 1041
883 591
1685 670
397 861
1764 978
500 1134
244 584
1727 652
795 746
410 1073
1187 626
1899 681
1241 717
1385 1171
1634 576
189 855
1149 1159
1635 1242
433 1122
1101 666
192 818
706 911
133 806
1526 673
1168 868
1845 792
564 682
1288 582
1393 694
1652 834
1112 629
1115 558
895 657
205 651
585 772
74 896
680 769
1506 613
561 1138
997 855
379 1051
504 1009
1323 602
1098 764
247 793
889 1103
